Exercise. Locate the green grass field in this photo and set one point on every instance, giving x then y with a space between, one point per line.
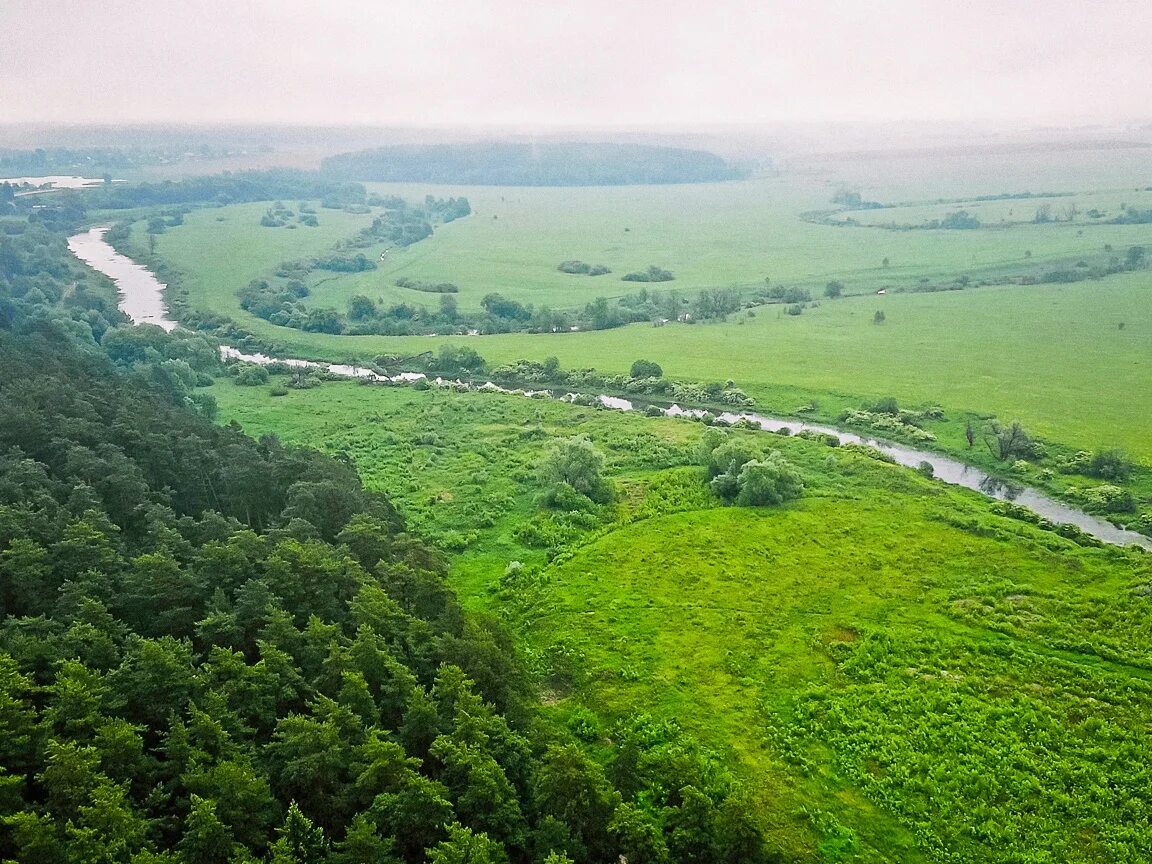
220 250
904 675
710 235
1052 356
1070 361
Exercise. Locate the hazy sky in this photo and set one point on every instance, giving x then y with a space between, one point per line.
577 62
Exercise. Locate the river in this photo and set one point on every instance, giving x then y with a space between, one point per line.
142 300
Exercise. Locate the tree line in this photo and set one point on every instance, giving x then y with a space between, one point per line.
545 163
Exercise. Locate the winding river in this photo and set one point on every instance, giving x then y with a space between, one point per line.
141 299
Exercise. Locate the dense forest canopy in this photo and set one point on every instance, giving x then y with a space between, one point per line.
216 649
541 164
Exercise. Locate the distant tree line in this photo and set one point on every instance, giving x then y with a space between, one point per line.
283 184
95 161
538 164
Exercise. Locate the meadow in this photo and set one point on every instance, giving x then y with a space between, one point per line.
708 235
1069 361
904 674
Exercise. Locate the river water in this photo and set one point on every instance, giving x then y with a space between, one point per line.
141 294
42 185
141 299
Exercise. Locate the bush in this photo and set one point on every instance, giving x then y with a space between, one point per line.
652 274
1011 442
1109 465
772 481
1109 498
887 405
251 375
833 289
576 463
646 369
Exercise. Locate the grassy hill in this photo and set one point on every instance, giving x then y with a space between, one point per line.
904 674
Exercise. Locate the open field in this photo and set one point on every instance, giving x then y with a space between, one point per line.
1053 356
1070 361
905 676
709 235
220 250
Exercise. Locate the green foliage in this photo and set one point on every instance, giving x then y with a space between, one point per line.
771 481
1010 442
646 369
652 274
190 670
1109 465
581 268
465 847
541 163
737 473
573 465
250 374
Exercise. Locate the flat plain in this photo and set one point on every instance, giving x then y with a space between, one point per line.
1071 361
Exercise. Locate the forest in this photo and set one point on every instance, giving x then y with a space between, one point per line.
543 163
221 649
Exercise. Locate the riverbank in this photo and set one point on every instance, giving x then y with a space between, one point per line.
142 299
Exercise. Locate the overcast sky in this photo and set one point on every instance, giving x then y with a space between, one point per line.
627 62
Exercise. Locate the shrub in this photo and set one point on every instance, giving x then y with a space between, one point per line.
1106 497
771 481
646 369
1010 442
584 725
833 289
576 463
652 274
1109 465
251 375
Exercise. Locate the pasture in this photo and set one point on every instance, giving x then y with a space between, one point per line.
840 650
1052 356
1070 361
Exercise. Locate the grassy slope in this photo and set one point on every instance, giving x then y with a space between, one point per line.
843 648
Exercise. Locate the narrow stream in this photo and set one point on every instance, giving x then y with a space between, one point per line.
142 300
